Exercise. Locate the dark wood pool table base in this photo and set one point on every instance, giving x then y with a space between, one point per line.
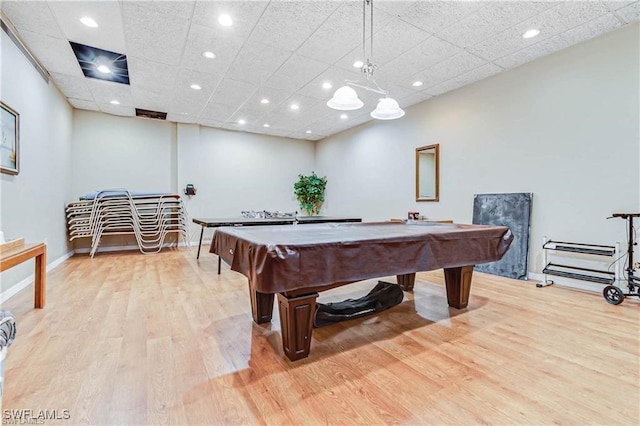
297 310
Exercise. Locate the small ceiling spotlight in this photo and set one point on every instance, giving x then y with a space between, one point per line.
266 125
308 131
195 87
264 101
115 102
241 121
103 69
344 116
209 55
225 20
327 85
416 84
531 33
89 22
358 64
295 106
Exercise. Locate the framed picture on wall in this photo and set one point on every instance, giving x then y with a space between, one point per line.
10 140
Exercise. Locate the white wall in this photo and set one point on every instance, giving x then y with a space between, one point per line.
565 127
235 171
32 202
232 171
122 152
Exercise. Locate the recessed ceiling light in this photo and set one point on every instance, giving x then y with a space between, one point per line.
531 33
344 116
358 64
114 102
209 55
295 106
265 125
264 101
242 121
417 84
308 131
103 69
196 87
89 22
225 20
327 85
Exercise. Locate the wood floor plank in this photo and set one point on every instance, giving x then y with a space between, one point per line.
163 339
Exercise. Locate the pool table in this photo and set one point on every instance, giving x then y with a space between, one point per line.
296 262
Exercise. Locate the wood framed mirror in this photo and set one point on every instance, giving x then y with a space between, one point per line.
428 173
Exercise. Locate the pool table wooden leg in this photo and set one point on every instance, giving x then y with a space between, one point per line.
458 282
261 305
296 323
406 281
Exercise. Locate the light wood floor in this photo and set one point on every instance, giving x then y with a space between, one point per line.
163 339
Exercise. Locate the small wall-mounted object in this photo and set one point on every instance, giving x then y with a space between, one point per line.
190 190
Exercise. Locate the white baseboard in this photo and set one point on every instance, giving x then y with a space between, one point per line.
131 247
15 289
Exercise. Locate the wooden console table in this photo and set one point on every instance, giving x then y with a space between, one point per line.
15 252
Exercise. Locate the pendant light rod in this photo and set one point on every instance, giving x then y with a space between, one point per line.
346 99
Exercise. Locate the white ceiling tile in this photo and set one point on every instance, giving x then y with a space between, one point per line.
295 73
394 39
532 52
203 39
286 24
245 15
154 35
392 7
72 86
591 29
550 22
424 55
217 111
489 20
55 54
413 99
188 100
630 13
126 111
446 70
233 92
182 8
211 123
108 35
32 16
152 101
254 108
83 104
433 16
333 75
105 91
154 77
618 4
256 62
479 73
340 33
180 118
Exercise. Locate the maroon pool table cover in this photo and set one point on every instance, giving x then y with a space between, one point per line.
291 257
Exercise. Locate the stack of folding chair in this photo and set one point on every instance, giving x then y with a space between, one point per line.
149 217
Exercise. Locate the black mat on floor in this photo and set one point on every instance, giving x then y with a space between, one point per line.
383 296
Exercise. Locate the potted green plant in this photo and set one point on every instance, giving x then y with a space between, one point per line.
309 191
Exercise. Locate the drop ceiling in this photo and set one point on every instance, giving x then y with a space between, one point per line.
284 51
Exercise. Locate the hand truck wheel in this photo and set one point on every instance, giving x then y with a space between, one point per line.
613 295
